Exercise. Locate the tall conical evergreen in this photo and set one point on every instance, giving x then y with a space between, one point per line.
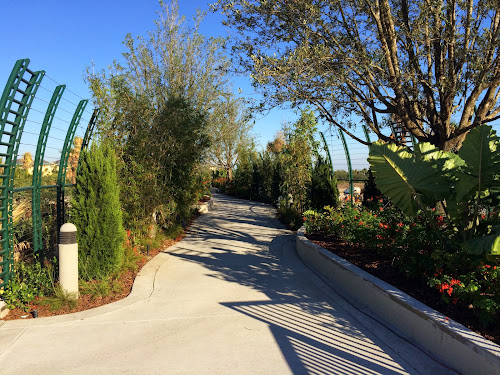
97 214
324 191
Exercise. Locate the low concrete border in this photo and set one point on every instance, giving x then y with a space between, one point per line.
3 309
205 207
444 339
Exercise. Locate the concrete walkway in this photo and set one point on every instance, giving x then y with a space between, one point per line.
231 298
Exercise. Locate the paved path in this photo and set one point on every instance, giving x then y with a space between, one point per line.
231 298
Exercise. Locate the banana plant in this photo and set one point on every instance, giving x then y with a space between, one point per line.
415 181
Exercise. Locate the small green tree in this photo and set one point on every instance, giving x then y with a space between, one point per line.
97 214
371 193
296 159
324 191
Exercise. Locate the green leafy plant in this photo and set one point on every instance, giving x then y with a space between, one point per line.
59 299
458 185
30 281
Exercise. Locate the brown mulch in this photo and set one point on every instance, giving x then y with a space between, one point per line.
381 267
86 302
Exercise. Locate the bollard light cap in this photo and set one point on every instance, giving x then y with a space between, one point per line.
68 227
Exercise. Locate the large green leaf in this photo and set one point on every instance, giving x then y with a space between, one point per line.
489 245
481 154
403 177
447 161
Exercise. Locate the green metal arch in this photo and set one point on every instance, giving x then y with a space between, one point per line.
327 149
89 132
90 128
349 165
63 163
38 166
11 139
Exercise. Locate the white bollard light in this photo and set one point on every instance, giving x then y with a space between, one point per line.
68 260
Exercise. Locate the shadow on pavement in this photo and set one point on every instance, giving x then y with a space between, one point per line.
246 247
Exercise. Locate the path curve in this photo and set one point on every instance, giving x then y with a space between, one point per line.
230 298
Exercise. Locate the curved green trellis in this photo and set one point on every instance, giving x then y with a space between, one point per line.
38 166
15 104
90 128
327 149
63 163
88 133
347 155
349 165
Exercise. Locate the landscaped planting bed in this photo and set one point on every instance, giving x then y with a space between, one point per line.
408 255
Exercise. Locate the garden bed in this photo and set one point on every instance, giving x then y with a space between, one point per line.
122 287
381 267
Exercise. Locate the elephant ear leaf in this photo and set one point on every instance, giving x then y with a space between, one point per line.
488 244
481 154
447 161
403 177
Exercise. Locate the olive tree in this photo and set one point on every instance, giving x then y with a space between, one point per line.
424 64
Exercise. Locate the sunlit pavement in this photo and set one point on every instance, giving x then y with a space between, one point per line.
231 298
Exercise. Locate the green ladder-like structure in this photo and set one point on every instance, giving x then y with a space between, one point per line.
15 104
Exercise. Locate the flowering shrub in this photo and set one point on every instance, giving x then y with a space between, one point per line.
417 251
479 288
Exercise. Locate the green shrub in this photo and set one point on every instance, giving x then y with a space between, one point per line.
96 212
30 281
371 193
324 191
410 243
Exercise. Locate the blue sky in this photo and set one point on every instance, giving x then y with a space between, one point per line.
64 37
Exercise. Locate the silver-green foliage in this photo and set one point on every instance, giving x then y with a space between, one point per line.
459 183
97 214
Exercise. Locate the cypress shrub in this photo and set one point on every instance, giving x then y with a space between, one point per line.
371 193
324 191
97 214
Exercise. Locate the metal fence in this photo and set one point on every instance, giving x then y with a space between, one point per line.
41 120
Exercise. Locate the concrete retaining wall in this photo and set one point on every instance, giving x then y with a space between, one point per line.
444 339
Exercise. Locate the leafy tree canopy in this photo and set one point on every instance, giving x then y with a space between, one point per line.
418 63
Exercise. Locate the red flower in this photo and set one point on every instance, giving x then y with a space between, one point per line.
440 220
400 224
443 287
454 301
